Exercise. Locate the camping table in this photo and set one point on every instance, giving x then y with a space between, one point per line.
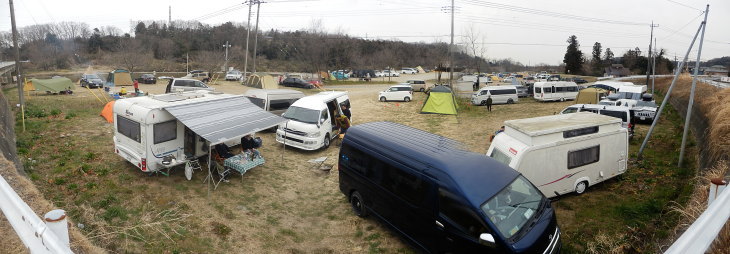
240 165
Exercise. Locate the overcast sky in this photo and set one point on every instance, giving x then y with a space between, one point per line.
529 31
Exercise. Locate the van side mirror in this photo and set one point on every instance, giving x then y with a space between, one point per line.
487 239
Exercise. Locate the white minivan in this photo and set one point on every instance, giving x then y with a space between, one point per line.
555 91
499 94
402 92
311 123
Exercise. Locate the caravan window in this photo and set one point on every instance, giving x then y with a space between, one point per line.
560 89
572 89
583 157
580 132
164 132
128 128
548 90
280 104
500 156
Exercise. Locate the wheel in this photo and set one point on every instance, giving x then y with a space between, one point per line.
326 141
358 207
382 99
562 99
407 99
422 90
581 187
483 103
510 101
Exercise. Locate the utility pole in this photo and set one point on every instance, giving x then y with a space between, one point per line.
19 81
248 32
653 68
225 65
169 16
256 34
187 61
451 50
692 90
648 63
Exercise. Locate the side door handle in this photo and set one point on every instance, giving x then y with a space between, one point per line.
439 224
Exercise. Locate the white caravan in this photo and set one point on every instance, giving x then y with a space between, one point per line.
161 131
276 101
555 91
499 94
563 153
311 123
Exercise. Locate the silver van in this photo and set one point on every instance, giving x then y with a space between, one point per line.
185 84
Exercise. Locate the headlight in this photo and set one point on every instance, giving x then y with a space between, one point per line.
313 135
281 127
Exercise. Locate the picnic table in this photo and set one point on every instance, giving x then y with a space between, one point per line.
241 163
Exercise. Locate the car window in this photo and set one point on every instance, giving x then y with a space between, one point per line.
393 89
569 110
200 84
189 83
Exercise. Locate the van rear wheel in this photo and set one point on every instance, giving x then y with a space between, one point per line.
407 99
358 207
510 101
382 99
484 103
422 90
581 187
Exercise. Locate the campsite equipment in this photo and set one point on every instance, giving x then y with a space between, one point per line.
119 77
311 122
440 101
261 82
590 95
161 131
276 101
54 85
108 112
563 153
555 91
427 187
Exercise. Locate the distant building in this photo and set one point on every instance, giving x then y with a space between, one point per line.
715 70
616 70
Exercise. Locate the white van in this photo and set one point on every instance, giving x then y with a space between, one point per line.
402 92
620 112
629 94
499 94
563 153
311 122
276 101
555 91
186 84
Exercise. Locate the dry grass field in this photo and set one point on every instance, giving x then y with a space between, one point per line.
285 206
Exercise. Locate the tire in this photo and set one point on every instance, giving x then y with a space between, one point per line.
326 142
382 99
483 103
562 99
510 101
422 90
407 99
357 204
581 187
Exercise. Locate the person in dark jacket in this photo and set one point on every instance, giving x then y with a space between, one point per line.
489 103
346 111
249 145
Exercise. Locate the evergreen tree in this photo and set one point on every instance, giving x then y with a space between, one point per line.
608 57
596 65
573 57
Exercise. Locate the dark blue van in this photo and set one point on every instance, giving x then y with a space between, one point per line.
441 197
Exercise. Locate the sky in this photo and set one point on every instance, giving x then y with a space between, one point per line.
528 31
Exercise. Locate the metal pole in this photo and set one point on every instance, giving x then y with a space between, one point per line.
225 65
248 32
692 90
648 62
451 49
666 96
19 81
653 68
187 61
256 35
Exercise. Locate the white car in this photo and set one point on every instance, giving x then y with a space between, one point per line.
234 75
408 71
507 80
397 93
379 74
390 73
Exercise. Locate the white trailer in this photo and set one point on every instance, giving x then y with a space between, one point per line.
563 153
161 131
555 91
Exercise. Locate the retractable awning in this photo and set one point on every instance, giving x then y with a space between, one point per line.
230 118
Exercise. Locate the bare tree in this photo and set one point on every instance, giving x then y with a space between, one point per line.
210 61
132 55
473 42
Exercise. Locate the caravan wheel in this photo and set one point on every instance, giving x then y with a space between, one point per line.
581 187
562 99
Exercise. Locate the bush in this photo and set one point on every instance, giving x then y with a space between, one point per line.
55 112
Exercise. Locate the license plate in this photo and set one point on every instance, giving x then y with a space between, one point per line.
643 118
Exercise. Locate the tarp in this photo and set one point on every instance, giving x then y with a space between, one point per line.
108 112
440 101
590 96
261 82
119 77
420 69
218 121
54 85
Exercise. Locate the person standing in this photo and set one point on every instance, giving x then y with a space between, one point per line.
489 103
342 122
136 87
346 111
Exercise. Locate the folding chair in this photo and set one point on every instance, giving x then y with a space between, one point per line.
222 173
319 164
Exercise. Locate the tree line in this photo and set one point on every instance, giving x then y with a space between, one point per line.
576 63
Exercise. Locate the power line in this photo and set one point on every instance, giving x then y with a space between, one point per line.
693 8
542 26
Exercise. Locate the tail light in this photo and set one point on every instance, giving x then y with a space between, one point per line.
144 164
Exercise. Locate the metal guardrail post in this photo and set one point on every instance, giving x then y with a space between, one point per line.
700 235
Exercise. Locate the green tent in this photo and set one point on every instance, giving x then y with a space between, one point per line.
119 77
54 85
440 101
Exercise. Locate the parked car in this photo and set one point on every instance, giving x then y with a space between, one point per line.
198 75
147 79
185 84
379 74
507 80
91 81
234 75
408 71
521 91
296 82
578 80
390 73
396 93
499 95
312 124
418 85
645 111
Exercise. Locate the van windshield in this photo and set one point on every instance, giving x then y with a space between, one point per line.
301 114
513 206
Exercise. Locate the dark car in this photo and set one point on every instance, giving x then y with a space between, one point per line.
579 81
91 81
147 79
297 82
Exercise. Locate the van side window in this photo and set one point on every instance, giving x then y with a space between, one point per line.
128 127
355 159
324 115
538 90
163 132
572 89
464 219
583 157
403 184
346 103
279 104
484 92
548 90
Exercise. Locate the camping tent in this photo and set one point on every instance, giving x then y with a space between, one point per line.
119 77
54 85
261 82
108 112
440 101
590 95
420 69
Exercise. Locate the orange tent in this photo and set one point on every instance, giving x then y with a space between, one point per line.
108 112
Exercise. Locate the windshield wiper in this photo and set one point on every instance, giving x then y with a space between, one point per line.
531 201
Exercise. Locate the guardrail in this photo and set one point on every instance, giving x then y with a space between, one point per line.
35 234
700 235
